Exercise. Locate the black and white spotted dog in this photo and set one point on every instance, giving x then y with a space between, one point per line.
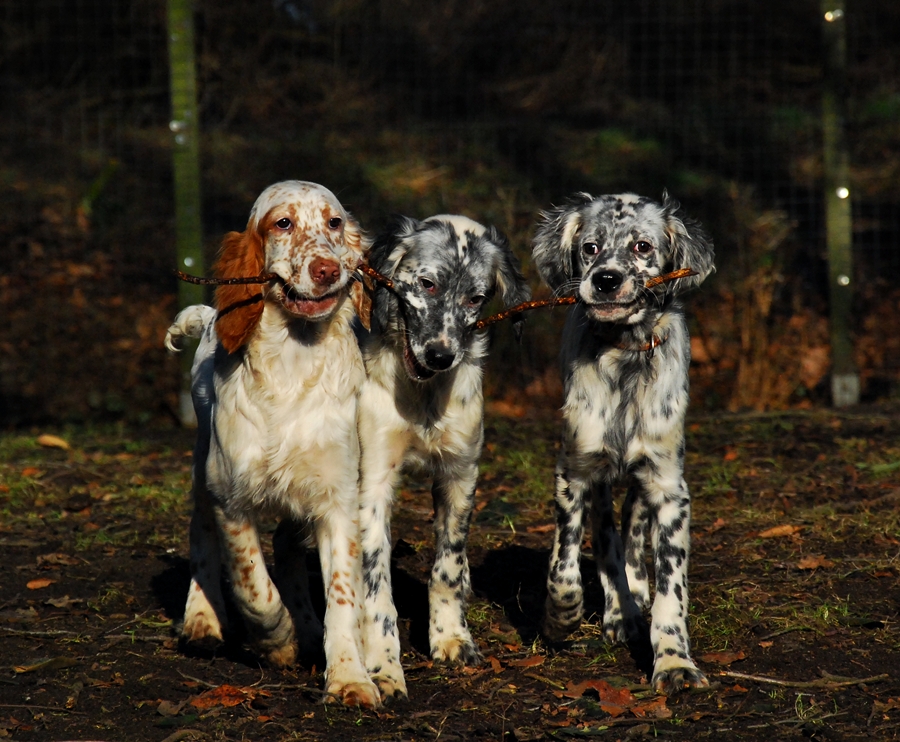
625 355
422 405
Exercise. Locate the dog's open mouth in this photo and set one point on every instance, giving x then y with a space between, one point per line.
416 371
613 311
305 306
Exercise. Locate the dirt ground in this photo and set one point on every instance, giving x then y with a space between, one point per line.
795 593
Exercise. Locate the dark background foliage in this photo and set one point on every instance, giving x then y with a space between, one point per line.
493 109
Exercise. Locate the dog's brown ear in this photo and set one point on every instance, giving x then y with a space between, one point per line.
362 303
240 307
360 245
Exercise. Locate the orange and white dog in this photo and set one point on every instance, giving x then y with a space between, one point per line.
275 383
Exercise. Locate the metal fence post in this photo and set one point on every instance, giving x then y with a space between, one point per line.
185 127
838 215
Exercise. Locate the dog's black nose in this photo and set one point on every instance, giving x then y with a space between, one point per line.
438 358
607 281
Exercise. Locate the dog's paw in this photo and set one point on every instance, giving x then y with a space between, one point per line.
614 631
353 693
456 650
391 685
201 632
671 680
280 657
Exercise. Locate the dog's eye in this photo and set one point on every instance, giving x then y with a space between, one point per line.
284 223
335 222
642 247
477 300
590 248
427 285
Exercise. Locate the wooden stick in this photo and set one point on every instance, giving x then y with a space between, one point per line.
673 276
262 278
525 306
384 280
826 682
374 274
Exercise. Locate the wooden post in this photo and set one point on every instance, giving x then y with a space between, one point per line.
185 127
838 215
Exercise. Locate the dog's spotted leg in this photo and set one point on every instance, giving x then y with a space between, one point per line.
346 679
635 523
380 470
564 608
268 621
292 579
673 667
453 493
383 446
204 614
620 612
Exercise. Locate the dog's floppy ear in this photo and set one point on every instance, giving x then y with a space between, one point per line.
239 307
552 244
359 244
691 245
390 246
508 277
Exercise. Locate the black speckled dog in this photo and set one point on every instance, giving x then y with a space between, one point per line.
422 405
625 356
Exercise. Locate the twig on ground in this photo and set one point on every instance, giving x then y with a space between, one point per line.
851 507
782 632
829 681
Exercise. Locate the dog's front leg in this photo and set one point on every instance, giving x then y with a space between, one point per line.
564 608
673 667
453 493
635 524
292 579
268 621
620 612
346 679
204 613
382 454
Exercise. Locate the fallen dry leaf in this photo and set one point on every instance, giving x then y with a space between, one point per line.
39 583
57 560
607 692
52 441
814 562
722 658
56 663
545 528
779 531
30 471
63 602
495 664
227 696
533 661
655 708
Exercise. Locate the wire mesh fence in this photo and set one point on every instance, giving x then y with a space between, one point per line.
492 109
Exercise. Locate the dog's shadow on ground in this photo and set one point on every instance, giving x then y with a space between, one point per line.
512 577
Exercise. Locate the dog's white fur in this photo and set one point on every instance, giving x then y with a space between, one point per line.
625 356
422 406
275 383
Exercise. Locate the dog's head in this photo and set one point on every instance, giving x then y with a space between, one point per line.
445 269
300 232
604 250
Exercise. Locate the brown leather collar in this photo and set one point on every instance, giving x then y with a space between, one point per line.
647 348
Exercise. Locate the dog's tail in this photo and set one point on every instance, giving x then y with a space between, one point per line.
190 322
